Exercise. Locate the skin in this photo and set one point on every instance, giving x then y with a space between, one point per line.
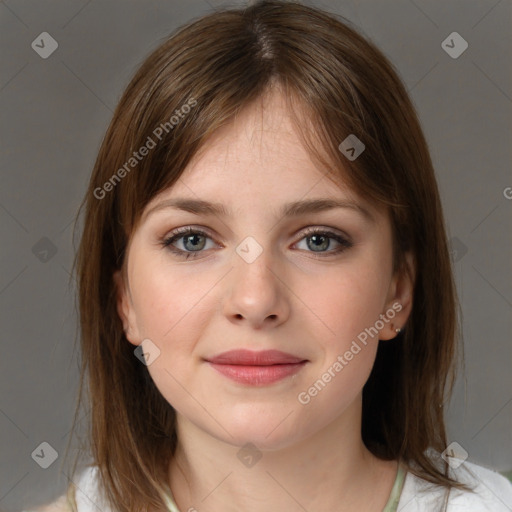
290 298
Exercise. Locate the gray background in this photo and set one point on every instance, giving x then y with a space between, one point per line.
54 113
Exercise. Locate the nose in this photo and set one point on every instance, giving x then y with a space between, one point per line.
256 293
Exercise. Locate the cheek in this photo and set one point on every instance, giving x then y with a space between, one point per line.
166 301
350 308
349 299
171 308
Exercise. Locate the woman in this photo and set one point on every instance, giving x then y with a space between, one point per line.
267 305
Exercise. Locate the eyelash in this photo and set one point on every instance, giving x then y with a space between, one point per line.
183 232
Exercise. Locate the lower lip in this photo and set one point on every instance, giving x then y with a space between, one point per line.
258 375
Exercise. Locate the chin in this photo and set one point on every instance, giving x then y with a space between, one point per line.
260 440
265 431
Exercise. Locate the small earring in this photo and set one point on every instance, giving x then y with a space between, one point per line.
398 330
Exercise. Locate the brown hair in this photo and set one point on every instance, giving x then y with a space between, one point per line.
217 65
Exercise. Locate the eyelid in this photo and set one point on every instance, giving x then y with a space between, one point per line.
317 228
179 233
343 239
190 229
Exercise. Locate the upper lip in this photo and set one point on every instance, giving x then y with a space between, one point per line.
253 358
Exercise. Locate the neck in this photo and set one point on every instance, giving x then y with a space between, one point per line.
329 470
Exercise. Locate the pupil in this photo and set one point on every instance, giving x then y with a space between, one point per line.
320 238
195 246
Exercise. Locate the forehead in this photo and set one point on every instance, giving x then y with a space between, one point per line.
262 137
259 160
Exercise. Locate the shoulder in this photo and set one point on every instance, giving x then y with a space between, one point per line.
83 495
491 492
88 495
486 479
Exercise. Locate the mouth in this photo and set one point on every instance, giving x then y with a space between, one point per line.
256 368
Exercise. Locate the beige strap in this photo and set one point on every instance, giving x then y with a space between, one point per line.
71 498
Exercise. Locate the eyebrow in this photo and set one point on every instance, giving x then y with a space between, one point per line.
294 209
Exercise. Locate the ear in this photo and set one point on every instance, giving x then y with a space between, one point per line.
125 308
399 301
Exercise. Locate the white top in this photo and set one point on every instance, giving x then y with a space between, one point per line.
492 493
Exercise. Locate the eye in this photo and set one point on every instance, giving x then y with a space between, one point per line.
320 240
194 240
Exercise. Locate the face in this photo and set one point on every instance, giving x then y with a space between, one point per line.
317 285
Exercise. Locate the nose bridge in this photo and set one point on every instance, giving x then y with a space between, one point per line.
254 267
255 291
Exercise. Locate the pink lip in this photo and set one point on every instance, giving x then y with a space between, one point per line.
256 368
